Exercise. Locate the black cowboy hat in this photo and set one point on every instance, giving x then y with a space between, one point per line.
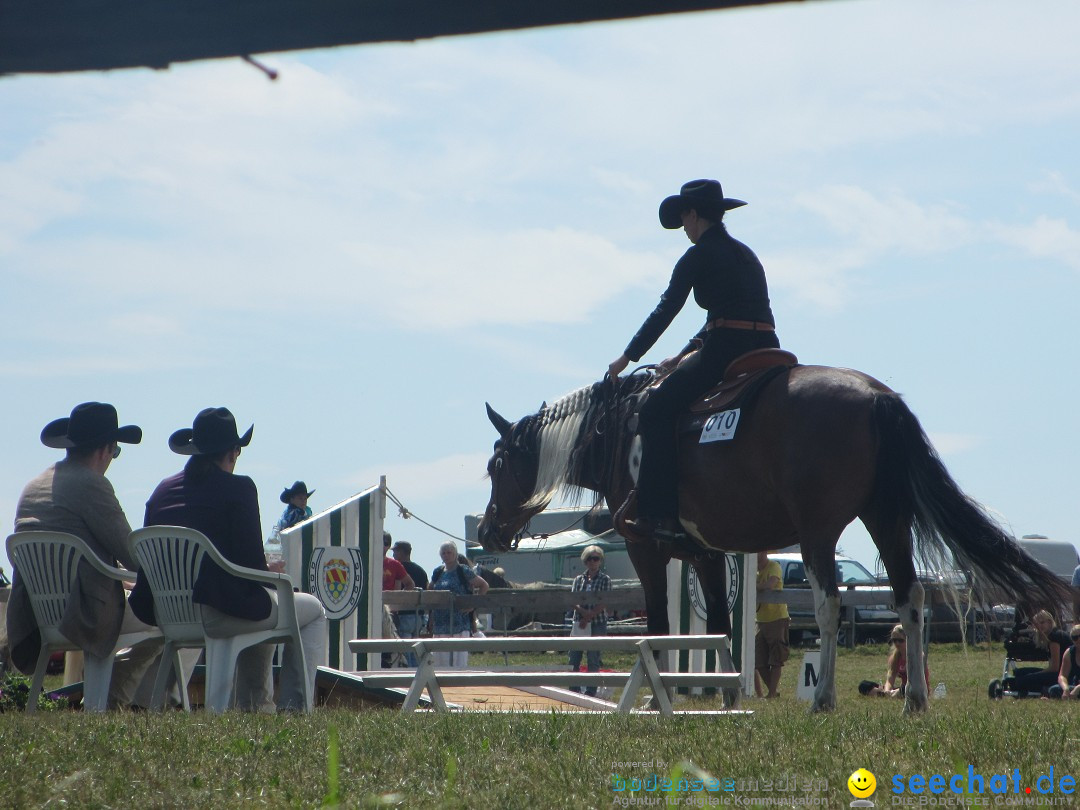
91 424
214 431
706 193
295 489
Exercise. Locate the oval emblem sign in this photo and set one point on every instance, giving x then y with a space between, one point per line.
336 577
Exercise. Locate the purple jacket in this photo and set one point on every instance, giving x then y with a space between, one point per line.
224 507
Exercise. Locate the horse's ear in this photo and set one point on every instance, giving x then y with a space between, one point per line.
542 405
501 423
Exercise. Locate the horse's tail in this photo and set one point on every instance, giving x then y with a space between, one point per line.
914 490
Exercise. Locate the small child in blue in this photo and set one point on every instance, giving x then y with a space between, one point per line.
295 499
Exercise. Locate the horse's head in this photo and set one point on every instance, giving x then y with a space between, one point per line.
513 471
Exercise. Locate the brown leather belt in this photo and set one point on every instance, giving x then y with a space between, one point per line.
728 323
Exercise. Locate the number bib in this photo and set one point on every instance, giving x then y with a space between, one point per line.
720 427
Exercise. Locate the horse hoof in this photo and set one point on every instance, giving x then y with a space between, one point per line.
911 707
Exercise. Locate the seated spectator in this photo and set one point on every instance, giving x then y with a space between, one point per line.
74 496
1048 637
460 580
1068 685
896 672
209 496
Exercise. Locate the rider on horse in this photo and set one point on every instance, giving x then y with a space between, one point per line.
728 281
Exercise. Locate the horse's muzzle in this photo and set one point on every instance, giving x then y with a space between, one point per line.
488 535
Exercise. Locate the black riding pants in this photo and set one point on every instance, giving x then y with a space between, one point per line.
658 479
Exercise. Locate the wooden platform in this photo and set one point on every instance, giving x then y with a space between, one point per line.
347 689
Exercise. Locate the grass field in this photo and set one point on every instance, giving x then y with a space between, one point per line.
475 760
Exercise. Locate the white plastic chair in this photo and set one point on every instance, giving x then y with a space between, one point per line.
47 563
170 562
172 555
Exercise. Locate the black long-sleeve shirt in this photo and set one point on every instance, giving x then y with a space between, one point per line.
727 279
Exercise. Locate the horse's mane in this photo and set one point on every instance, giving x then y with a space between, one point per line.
564 432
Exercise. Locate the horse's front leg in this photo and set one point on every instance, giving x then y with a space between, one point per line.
827 611
651 566
712 576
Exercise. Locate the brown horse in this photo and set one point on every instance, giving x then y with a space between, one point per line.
817 448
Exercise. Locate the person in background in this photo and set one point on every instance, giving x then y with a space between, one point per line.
209 496
409 622
1068 685
896 673
74 496
773 623
1049 637
591 620
1076 593
295 499
395 577
459 580
402 551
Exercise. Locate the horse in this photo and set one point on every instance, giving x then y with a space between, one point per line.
817 448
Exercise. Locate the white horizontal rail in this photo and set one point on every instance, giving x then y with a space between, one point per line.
457 677
644 671
542 644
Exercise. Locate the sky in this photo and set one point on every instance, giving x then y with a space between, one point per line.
355 257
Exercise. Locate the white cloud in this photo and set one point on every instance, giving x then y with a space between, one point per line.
878 223
428 479
1046 237
515 277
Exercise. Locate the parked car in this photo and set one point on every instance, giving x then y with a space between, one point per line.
951 604
872 622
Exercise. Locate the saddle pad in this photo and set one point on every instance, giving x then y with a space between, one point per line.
738 395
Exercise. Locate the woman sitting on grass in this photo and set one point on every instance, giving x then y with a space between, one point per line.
896 669
1047 637
1068 685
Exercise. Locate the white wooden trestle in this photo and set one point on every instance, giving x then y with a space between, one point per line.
644 671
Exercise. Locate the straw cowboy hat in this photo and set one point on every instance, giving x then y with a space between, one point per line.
91 424
295 489
706 193
214 431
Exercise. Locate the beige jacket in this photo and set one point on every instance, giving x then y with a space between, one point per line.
69 497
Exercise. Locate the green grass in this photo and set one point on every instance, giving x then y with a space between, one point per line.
382 758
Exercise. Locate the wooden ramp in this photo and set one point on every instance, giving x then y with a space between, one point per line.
335 688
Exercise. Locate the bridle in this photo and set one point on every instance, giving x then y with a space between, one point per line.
502 466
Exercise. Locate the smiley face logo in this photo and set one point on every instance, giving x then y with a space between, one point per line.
862 784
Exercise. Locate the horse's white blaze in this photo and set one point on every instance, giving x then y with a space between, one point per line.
827 611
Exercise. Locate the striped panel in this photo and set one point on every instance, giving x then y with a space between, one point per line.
351 524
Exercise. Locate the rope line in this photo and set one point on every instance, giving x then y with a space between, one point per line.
406 514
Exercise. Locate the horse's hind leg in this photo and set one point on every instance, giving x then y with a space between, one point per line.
820 560
894 545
